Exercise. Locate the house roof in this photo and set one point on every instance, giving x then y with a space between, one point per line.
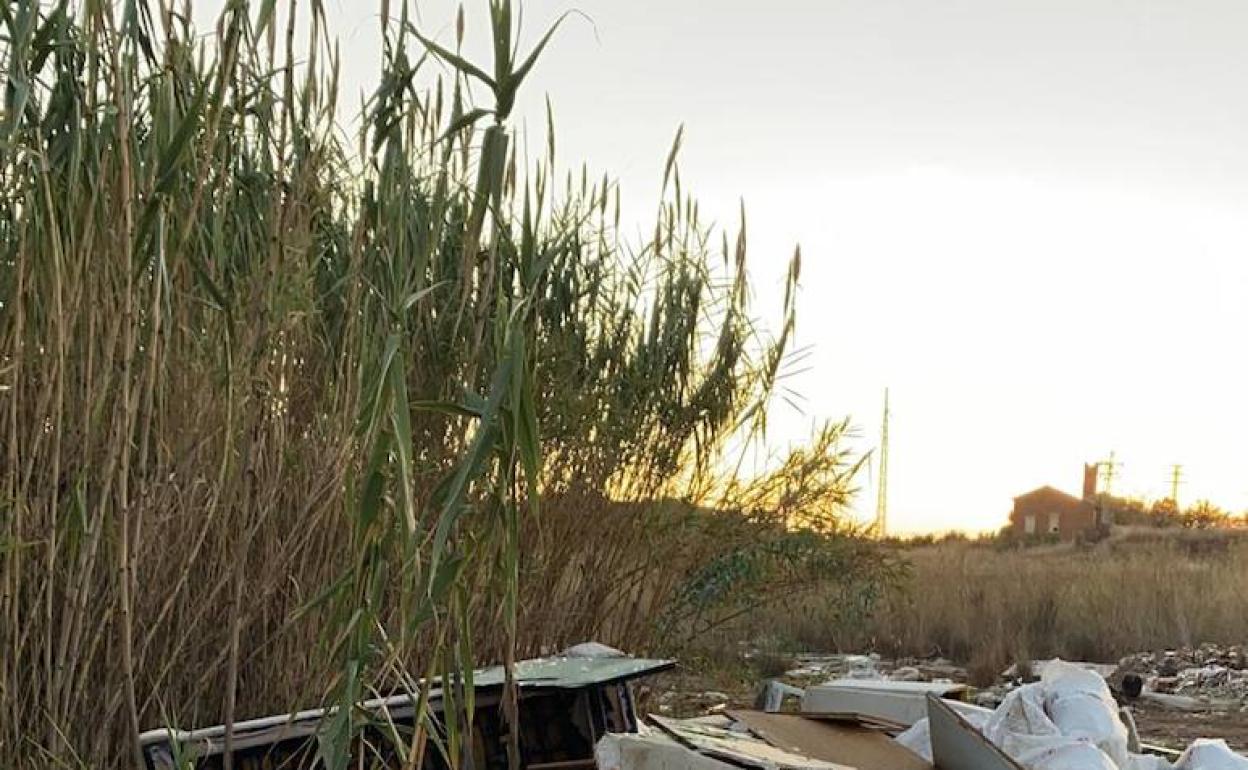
1049 491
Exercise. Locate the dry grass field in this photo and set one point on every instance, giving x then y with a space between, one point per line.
986 607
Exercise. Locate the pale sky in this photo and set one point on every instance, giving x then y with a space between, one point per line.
1028 219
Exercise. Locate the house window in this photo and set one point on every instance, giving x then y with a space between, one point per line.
1029 524
1055 522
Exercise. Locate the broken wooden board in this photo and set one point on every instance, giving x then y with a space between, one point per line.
957 745
842 744
739 748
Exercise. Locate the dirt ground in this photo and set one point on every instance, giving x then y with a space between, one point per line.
1176 729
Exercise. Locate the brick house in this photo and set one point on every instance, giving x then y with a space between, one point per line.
1051 512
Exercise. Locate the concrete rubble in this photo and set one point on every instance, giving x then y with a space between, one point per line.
1210 674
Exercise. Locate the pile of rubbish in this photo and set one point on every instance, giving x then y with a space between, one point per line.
578 711
824 667
1066 720
1209 673
1069 720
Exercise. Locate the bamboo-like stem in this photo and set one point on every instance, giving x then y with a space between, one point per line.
277 394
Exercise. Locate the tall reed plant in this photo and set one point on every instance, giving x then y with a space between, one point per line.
291 417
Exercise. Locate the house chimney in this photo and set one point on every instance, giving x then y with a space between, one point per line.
1089 480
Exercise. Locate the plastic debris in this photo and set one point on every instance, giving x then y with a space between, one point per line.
1070 721
1210 754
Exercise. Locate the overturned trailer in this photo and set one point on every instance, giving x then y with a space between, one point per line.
566 703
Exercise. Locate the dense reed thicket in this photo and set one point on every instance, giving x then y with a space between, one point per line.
290 416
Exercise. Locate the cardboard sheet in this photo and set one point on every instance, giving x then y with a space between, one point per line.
840 743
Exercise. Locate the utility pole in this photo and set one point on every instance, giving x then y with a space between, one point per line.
1176 478
881 492
1109 468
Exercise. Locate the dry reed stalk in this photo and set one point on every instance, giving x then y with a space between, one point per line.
272 397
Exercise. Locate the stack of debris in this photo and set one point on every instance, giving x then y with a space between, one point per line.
1209 676
578 711
824 667
845 723
1068 720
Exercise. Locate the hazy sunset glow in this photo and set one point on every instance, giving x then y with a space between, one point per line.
1027 219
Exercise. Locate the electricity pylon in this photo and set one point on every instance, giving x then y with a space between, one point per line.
881 492
1176 478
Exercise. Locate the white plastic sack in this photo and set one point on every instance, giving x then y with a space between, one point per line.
1089 736
1023 728
1208 754
1064 754
918 737
1081 706
1069 721
1147 762
1022 713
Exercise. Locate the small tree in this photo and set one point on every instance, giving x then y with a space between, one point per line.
1164 513
1205 515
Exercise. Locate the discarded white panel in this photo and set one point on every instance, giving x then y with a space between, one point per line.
739 748
887 708
650 751
889 702
940 689
957 745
